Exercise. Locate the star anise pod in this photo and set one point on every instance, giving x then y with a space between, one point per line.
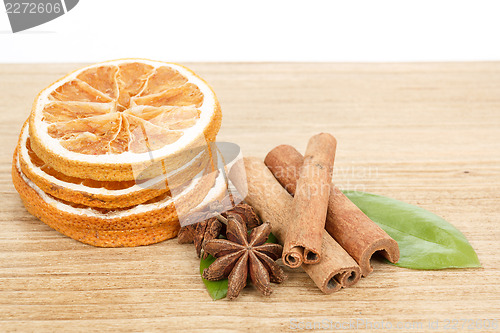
203 225
241 255
247 213
227 206
198 232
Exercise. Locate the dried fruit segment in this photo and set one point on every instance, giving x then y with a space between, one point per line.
145 136
186 95
77 90
164 78
102 78
120 142
65 111
131 79
169 117
88 135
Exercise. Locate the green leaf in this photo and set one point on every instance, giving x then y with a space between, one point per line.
272 239
426 241
218 289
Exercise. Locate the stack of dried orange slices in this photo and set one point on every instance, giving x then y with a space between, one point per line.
114 153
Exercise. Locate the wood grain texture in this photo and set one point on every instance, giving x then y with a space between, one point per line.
427 134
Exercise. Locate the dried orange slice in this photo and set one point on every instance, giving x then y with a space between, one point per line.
101 194
146 223
123 120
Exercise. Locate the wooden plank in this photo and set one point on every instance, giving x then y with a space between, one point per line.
427 134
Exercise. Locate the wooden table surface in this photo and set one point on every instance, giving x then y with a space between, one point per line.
428 134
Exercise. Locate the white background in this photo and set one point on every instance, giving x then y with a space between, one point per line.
257 30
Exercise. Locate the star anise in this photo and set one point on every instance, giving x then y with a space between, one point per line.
247 213
241 255
198 232
203 225
228 206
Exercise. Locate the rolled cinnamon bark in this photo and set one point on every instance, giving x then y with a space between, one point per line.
310 203
351 228
272 202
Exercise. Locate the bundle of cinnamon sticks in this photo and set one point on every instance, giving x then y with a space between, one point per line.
321 229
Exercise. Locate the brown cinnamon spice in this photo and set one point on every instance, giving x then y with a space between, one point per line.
310 203
272 202
351 228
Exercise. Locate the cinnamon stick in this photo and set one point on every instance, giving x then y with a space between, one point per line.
310 203
272 202
351 228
